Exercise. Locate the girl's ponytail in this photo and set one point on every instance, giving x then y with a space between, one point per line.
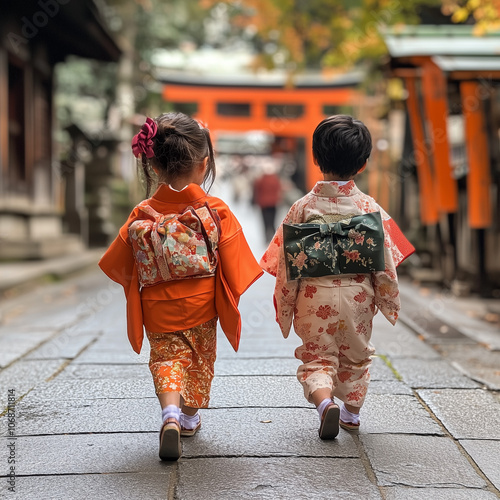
143 148
146 170
210 172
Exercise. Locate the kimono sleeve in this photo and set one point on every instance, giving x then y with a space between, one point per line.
118 263
118 260
385 283
273 262
401 248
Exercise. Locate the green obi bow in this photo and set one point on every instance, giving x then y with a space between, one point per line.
350 246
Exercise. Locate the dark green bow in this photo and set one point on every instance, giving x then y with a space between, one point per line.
350 246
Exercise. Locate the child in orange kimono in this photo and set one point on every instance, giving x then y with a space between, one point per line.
333 314
180 316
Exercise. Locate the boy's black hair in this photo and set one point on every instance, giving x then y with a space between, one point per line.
341 145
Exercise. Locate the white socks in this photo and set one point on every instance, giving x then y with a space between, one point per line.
186 421
321 407
348 417
189 421
345 415
170 411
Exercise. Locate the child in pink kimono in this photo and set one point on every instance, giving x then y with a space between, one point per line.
333 314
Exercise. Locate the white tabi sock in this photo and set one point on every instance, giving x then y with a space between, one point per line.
348 417
189 421
321 407
170 411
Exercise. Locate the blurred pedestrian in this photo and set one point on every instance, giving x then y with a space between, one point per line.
332 311
267 196
183 261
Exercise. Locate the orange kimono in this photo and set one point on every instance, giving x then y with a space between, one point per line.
184 304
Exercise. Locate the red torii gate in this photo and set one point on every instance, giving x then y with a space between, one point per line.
262 107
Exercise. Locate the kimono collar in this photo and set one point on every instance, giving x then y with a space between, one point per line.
165 194
332 189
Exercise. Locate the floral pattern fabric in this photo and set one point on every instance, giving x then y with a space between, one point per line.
333 318
352 245
174 246
184 361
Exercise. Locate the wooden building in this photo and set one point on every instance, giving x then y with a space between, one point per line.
452 99
35 36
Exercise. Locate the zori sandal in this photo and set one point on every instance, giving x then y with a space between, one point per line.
170 440
329 427
190 432
349 426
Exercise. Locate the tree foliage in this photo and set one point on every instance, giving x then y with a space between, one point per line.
298 34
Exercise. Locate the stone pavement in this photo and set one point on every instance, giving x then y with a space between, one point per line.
84 418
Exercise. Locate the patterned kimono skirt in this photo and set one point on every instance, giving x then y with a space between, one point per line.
183 361
333 318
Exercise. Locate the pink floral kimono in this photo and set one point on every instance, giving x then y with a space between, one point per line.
333 314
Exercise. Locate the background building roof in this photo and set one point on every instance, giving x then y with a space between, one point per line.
460 63
215 67
75 28
446 40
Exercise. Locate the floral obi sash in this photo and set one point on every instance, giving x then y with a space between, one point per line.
350 246
175 246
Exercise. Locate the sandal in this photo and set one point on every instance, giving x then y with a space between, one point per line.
190 432
349 426
329 427
170 440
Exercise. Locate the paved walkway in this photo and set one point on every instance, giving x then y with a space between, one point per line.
85 420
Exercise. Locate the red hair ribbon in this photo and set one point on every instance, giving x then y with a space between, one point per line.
142 143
